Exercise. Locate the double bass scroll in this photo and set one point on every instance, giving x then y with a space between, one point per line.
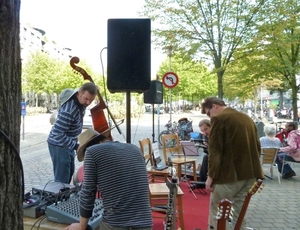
98 117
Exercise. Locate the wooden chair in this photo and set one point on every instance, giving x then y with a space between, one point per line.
268 157
147 150
158 194
171 145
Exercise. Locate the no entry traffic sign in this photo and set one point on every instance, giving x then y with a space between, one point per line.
170 80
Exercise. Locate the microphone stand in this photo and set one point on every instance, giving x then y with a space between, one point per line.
170 219
153 135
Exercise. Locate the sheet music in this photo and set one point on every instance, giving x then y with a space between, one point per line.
155 150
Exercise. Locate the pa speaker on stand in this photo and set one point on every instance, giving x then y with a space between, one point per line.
128 55
155 94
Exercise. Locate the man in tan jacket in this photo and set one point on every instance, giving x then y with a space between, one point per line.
234 156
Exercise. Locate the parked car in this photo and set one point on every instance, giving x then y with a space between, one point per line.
87 119
161 110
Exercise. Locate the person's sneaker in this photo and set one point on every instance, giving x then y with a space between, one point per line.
289 174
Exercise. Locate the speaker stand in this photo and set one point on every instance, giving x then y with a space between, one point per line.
128 117
153 134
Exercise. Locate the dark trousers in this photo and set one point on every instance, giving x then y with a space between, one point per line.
204 168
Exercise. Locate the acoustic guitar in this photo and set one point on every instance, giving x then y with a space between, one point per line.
258 185
224 213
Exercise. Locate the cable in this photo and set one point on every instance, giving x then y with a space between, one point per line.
39 219
42 219
20 160
105 95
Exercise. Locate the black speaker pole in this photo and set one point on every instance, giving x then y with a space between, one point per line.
153 135
128 118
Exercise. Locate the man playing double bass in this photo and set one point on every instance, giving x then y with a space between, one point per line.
63 137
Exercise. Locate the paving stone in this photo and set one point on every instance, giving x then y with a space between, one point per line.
275 207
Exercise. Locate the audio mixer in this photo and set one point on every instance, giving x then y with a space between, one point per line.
67 212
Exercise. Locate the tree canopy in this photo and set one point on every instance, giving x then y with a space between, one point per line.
204 29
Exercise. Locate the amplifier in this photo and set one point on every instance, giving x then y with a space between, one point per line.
34 211
67 212
53 189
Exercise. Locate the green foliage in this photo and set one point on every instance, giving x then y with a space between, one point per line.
44 74
195 80
272 57
204 29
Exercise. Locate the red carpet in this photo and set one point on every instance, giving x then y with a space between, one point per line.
195 211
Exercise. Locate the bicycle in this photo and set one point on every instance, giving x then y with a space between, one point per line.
171 128
183 128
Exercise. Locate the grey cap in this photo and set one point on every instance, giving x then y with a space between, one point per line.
66 94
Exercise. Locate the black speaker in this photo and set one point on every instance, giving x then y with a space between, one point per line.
155 94
128 55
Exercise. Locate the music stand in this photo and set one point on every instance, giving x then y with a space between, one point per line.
184 177
189 148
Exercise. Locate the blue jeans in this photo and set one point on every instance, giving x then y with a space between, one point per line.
105 226
63 163
286 168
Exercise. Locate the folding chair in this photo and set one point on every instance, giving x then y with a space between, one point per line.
268 157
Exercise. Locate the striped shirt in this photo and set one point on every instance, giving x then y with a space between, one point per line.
68 124
119 171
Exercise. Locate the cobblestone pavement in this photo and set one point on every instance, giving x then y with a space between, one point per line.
276 207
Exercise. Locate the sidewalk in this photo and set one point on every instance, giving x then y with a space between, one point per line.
276 207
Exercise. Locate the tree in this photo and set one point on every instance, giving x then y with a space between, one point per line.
248 73
213 28
280 34
195 80
272 57
42 73
11 193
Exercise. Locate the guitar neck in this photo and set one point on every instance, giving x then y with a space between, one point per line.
221 224
242 213
255 187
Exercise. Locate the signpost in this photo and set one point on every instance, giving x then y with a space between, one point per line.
23 114
170 80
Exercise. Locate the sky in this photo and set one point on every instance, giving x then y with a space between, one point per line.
82 25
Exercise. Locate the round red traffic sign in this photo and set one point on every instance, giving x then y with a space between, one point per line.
170 80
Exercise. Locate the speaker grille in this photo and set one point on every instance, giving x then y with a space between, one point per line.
129 55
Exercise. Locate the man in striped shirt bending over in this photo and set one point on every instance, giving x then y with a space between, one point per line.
118 171
62 140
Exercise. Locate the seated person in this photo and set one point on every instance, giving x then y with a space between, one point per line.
270 141
282 135
204 126
291 152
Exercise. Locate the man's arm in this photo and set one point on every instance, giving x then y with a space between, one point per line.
79 226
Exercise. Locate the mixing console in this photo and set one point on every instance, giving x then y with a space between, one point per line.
67 212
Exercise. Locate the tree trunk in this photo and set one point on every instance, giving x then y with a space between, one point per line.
11 193
220 84
295 89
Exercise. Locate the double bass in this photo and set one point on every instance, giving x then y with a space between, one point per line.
97 112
